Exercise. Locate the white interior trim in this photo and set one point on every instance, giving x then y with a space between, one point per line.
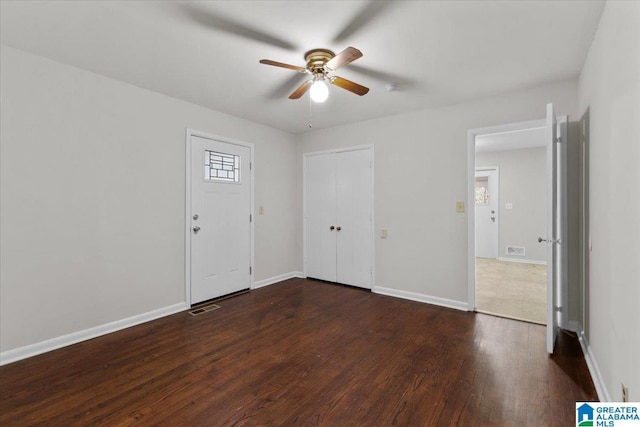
30 350
523 261
471 164
563 221
443 302
187 222
592 365
277 279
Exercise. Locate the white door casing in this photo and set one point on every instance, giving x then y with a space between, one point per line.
487 215
338 216
552 240
219 233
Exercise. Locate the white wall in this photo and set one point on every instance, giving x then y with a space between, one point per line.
610 86
523 184
93 197
420 173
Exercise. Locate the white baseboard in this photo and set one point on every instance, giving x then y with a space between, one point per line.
30 350
279 278
592 365
443 302
522 260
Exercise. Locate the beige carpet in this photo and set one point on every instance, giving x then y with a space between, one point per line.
512 289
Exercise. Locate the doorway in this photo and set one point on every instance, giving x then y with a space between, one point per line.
554 239
219 221
510 263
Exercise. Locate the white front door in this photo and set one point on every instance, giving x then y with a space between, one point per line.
486 213
552 239
220 218
338 214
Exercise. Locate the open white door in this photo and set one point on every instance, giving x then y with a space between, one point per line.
552 240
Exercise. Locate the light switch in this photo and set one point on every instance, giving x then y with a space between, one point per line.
508 205
260 210
460 207
383 234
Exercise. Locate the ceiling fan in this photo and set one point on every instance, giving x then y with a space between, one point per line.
320 63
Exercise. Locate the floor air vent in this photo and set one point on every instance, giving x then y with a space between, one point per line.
204 309
516 250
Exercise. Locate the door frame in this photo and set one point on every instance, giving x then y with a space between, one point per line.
497 170
187 211
304 203
471 161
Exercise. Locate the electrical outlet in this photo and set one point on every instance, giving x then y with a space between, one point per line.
625 393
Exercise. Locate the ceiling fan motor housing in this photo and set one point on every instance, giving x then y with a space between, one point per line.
316 59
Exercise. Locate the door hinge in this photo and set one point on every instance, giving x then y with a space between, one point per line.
558 139
250 165
250 270
558 308
250 218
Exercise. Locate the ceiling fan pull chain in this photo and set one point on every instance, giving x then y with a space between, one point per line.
310 113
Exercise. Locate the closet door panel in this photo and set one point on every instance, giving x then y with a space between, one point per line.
320 216
354 208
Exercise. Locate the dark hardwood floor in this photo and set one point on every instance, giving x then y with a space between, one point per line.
304 352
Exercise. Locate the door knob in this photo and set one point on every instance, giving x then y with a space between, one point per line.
196 229
331 228
540 240
338 228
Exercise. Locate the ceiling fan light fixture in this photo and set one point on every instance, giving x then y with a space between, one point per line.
319 91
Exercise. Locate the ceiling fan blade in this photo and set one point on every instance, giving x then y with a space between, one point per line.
367 14
202 15
349 85
283 65
345 57
283 89
304 87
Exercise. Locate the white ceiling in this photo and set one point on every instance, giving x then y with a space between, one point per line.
513 140
207 53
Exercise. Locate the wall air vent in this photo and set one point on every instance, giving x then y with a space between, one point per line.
516 250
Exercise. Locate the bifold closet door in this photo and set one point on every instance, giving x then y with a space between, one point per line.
338 217
354 197
320 216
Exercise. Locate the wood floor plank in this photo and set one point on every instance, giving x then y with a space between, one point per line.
304 352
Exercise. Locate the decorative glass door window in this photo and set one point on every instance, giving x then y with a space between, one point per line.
482 190
221 167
